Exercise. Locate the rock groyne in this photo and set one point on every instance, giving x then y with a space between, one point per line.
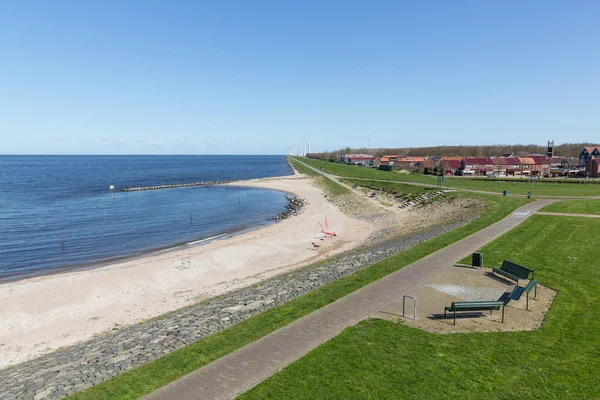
173 186
295 206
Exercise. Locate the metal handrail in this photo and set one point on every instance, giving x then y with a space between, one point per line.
414 306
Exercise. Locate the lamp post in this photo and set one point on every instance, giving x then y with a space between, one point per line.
532 179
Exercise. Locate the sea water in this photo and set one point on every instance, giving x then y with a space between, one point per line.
45 199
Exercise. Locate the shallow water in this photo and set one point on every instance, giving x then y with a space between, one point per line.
45 198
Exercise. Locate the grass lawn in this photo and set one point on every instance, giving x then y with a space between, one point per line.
380 359
575 207
546 187
147 378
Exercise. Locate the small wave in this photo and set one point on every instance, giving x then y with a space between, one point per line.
208 239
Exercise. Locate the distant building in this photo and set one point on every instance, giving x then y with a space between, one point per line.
450 165
500 166
477 166
542 166
585 157
594 167
513 166
363 159
410 161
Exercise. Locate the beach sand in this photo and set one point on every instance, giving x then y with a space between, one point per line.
45 313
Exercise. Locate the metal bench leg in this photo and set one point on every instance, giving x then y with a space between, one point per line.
502 314
527 303
535 291
454 317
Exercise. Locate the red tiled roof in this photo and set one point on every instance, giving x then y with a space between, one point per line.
500 161
527 160
451 164
451 158
477 160
541 160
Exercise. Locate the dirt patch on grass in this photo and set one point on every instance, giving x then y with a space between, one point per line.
459 283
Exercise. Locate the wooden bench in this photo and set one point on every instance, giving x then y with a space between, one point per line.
518 290
513 271
474 306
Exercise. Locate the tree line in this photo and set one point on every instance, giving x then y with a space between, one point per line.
562 150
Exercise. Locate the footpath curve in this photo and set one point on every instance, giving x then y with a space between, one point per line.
243 369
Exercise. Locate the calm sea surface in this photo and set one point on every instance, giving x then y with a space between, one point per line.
44 197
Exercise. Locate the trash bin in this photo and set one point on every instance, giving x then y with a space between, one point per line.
477 260
505 193
528 195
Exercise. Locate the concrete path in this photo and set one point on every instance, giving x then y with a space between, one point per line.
557 214
243 369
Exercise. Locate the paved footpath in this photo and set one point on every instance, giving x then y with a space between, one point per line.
244 368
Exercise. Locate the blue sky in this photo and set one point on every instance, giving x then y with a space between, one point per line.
252 77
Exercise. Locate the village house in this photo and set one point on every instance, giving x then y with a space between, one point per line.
450 165
513 166
430 166
585 160
363 159
409 162
500 166
480 166
527 166
542 166
593 167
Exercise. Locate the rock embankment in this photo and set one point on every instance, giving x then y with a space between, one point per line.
173 186
86 364
294 207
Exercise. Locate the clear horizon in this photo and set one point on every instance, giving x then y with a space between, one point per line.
232 78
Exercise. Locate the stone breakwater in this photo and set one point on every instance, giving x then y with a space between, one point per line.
294 207
173 186
64 372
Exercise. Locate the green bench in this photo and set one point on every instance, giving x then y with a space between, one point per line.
474 306
513 271
518 291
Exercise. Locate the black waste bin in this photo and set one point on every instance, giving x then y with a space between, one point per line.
528 195
505 193
477 260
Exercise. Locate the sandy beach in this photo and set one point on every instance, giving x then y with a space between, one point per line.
45 313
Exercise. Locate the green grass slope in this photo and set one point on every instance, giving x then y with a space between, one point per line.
380 359
575 207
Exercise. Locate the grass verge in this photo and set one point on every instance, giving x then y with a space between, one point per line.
542 187
575 207
155 374
560 360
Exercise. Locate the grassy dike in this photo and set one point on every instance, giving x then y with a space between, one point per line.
384 360
330 187
155 374
542 187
